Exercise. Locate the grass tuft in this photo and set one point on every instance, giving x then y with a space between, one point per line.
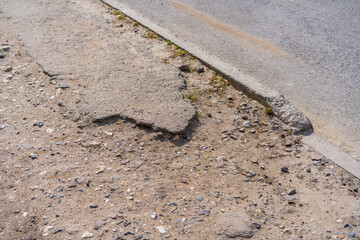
197 116
219 82
150 34
191 96
179 53
268 109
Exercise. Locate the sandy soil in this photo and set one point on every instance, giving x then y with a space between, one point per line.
236 173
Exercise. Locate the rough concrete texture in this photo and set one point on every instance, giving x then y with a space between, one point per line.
281 107
308 51
236 224
86 49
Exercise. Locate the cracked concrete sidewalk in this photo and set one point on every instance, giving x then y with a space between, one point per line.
79 47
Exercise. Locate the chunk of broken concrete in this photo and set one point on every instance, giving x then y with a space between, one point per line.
236 224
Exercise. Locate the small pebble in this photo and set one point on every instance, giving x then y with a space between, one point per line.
8 69
87 234
291 199
153 216
58 230
39 124
184 68
99 224
204 212
161 229
200 198
200 70
352 234
292 192
5 48
72 231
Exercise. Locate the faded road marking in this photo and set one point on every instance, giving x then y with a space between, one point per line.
215 24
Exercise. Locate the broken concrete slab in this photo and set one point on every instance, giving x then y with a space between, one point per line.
121 76
279 105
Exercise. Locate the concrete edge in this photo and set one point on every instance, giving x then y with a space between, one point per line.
334 154
281 107
284 110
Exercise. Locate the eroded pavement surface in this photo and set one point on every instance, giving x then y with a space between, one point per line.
236 172
72 42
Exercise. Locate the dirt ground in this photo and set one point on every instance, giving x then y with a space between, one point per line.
237 172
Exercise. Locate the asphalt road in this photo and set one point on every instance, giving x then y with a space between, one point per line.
309 51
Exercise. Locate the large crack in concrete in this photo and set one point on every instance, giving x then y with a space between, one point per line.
122 78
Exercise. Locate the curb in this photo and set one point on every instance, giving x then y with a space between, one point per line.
281 107
333 153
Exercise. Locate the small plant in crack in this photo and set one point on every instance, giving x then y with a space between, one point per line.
179 53
150 34
268 109
219 83
119 14
116 12
192 96
197 116
165 60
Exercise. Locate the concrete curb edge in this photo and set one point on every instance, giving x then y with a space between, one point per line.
333 153
281 108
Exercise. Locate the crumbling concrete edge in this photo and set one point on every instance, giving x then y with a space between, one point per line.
284 110
333 153
281 107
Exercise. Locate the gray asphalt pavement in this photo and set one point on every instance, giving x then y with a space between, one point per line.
308 50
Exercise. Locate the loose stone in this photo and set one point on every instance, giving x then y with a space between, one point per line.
292 192
153 216
285 169
87 234
184 68
8 69
199 69
291 199
98 225
72 230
